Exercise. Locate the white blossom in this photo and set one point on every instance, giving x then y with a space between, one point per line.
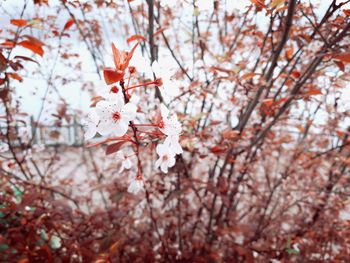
170 87
170 124
126 162
172 141
166 157
115 116
90 124
136 185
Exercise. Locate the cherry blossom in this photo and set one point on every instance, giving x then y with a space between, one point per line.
126 162
90 124
172 142
115 116
136 185
166 157
170 87
169 124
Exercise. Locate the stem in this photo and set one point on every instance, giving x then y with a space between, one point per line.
141 85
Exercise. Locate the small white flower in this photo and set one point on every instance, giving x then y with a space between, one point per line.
234 121
172 142
166 158
115 116
126 162
296 247
90 124
136 185
169 125
55 242
170 87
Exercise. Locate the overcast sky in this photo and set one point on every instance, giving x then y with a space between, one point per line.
72 92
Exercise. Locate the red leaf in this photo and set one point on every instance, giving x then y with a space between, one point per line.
19 22
121 59
346 12
4 93
7 44
68 24
296 74
289 53
259 3
3 62
249 75
34 40
345 57
230 134
131 53
26 58
268 102
215 68
135 37
218 149
15 76
112 75
313 91
340 134
340 65
116 56
32 46
40 2
112 148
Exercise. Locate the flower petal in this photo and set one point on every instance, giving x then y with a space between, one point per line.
164 167
127 164
119 128
164 111
104 128
156 68
171 88
158 163
93 116
129 111
171 162
161 149
104 109
90 132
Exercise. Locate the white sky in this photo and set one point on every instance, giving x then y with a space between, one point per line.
72 92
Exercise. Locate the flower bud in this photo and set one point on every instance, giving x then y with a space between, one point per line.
114 89
158 82
132 70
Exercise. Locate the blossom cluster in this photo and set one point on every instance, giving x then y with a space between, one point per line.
171 127
114 118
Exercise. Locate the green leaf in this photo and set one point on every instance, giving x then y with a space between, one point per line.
17 191
4 247
291 251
